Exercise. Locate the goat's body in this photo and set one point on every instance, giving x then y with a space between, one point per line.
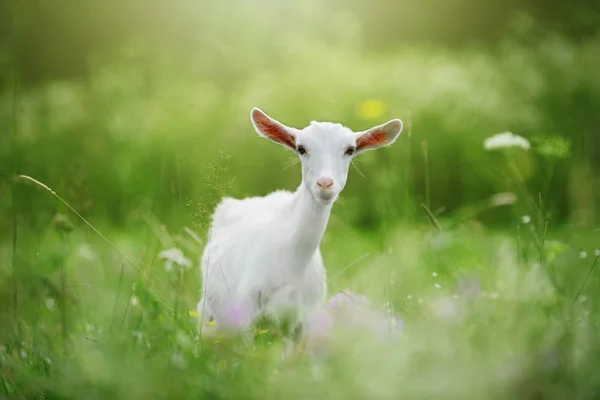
263 253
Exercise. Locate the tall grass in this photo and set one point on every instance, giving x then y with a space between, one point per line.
477 324
14 165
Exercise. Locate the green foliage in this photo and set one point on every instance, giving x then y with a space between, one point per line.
472 249
146 133
486 315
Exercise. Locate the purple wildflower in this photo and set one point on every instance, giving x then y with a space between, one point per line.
468 287
394 326
320 326
235 314
354 311
345 300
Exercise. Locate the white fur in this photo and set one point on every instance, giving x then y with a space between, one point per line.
263 252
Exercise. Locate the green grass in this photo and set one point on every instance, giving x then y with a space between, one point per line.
527 331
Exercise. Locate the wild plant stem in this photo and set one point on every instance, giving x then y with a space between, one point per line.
586 278
426 159
390 283
63 303
432 218
205 282
521 182
543 243
525 191
352 264
179 185
114 313
518 245
548 182
15 297
407 170
177 299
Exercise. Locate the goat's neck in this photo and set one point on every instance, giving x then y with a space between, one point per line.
308 220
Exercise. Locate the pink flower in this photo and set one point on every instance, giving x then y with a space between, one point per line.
320 325
353 311
345 300
235 314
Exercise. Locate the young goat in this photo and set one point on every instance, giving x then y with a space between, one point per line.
263 252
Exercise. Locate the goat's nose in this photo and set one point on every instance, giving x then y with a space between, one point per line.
324 183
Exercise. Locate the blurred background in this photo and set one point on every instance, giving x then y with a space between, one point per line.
138 106
137 114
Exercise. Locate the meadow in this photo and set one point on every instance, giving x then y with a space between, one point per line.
486 258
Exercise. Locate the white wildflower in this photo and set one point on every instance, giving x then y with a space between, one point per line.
134 301
178 360
583 254
174 256
526 219
503 199
446 309
434 274
184 341
437 285
89 328
506 140
49 303
141 339
86 252
139 335
597 252
409 297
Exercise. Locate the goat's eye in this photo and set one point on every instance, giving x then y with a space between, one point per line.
301 150
350 151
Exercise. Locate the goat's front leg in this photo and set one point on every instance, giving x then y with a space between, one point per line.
285 306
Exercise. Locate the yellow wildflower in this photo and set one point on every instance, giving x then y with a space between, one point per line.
193 314
370 109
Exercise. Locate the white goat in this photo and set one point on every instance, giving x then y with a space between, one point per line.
263 252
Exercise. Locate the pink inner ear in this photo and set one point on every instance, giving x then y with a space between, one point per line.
372 139
273 130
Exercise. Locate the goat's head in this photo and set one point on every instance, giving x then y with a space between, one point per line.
325 149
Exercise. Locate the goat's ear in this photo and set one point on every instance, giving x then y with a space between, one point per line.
273 130
378 136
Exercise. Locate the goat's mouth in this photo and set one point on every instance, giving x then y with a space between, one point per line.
327 197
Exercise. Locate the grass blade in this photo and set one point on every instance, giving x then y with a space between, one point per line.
15 297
